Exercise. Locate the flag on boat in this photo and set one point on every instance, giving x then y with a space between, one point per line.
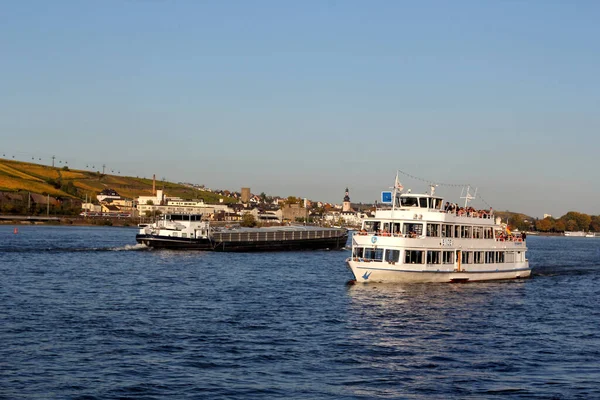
397 184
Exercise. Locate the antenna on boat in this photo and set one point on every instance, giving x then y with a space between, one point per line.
468 197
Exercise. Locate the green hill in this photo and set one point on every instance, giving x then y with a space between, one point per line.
17 176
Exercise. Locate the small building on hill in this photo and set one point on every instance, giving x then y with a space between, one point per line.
107 194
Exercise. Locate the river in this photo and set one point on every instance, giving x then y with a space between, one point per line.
85 313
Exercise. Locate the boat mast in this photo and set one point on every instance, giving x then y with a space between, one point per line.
397 188
468 197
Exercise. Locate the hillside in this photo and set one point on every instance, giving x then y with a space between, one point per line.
70 183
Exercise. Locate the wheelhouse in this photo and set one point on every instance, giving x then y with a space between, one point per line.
421 201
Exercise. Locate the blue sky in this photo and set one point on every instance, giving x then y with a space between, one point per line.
308 98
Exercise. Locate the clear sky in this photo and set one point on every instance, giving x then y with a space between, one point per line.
306 98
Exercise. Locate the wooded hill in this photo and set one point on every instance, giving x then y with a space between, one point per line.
66 183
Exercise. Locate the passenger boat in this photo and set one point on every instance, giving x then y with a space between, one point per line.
422 239
190 231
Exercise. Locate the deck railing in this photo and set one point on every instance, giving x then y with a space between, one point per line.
276 235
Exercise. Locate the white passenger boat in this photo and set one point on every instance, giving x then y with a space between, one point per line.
417 239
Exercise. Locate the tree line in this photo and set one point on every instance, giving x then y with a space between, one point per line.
571 221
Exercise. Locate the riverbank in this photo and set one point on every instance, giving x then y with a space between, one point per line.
68 221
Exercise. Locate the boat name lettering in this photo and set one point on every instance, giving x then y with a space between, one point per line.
447 242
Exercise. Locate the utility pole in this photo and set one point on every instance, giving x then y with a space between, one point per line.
53 157
103 166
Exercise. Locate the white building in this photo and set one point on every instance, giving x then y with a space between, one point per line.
107 194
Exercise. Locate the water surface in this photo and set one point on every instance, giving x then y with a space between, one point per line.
87 313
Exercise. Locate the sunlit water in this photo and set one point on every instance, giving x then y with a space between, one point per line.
86 313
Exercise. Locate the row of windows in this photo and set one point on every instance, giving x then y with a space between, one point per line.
460 231
432 230
437 256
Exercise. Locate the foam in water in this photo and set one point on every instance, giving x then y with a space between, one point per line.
130 247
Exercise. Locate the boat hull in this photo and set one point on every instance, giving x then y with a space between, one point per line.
335 243
368 272
175 243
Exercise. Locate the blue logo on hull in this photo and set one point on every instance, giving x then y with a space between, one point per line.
366 275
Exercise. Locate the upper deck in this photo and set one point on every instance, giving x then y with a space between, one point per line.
429 208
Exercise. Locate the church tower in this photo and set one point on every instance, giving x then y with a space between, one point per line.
346 207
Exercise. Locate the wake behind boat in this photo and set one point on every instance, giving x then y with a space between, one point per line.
419 239
189 231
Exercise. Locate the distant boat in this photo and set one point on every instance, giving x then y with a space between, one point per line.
590 234
573 233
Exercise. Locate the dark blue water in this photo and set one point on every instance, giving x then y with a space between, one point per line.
84 313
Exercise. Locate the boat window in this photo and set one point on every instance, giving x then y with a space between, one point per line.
447 231
423 202
438 204
499 256
413 257
433 230
357 252
412 230
478 257
434 257
373 254
467 257
478 232
488 233
392 255
448 257
369 226
465 232
184 235
396 230
409 202
489 257
456 231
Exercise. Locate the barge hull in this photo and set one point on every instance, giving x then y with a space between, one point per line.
281 245
161 242
177 243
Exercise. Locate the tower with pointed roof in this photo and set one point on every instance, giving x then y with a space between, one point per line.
347 206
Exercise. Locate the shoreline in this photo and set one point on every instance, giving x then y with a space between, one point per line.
66 221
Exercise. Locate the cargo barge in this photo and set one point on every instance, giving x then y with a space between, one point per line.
189 231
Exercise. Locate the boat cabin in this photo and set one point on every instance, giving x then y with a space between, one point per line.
409 200
182 217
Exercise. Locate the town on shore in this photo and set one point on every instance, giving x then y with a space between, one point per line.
34 193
